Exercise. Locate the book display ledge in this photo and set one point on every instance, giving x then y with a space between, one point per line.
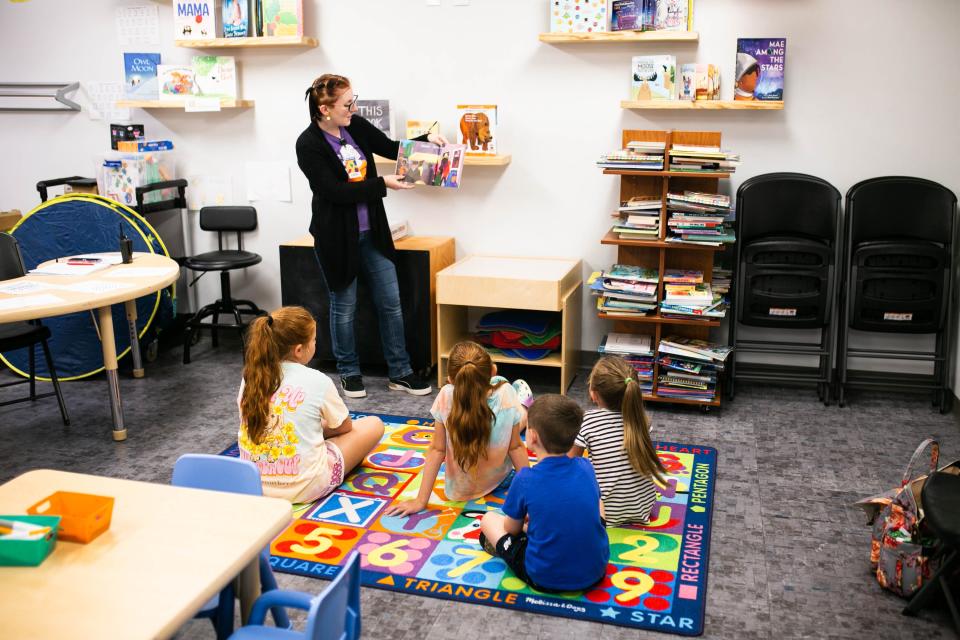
708 105
662 255
225 103
235 43
620 36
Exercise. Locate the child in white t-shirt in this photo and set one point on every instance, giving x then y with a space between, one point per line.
293 424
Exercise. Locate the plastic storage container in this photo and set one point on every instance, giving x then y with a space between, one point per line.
85 516
29 553
119 174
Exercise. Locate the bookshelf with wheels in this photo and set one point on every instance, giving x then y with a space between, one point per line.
662 255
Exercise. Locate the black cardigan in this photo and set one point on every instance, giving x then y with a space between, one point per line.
334 224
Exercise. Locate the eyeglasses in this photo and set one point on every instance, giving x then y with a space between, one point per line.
353 102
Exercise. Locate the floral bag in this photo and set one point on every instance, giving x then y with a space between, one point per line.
901 551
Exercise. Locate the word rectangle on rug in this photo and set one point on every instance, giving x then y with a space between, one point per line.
656 578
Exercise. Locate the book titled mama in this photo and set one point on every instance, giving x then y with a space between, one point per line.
760 68
431 164
194 20
140 75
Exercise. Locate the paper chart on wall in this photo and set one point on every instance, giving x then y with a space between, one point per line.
138 25
103 98
268 181
209 191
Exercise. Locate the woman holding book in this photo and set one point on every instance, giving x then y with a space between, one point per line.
350 229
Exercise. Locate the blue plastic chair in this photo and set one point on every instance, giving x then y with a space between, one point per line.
333 615
223 473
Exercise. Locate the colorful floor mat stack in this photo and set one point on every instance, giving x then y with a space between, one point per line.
530 335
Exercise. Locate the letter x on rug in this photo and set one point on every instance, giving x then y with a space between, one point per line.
656 578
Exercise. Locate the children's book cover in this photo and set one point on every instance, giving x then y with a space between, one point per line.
478 128
674 15
699 82
431 164
653 77
760 68
140 75
417 128
626 15
176 82
578 16
236 18
378 113
194 20
282 17
215 76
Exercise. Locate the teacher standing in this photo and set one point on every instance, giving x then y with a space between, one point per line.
350 231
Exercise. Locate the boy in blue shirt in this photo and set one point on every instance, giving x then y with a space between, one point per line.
563 545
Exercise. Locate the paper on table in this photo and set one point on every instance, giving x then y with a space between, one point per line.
25 286
94 286
29 301
136 272
268 181
65 269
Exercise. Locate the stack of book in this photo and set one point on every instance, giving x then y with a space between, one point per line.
689 368
638 219
696 158
639 155
687 296
721 280
636 350
625 290
699 218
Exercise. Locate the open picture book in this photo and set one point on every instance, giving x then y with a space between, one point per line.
431 164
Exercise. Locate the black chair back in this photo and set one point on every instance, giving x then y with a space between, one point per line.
11 263
787 204
228 218
899 208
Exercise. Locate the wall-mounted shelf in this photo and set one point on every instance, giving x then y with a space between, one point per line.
764 105
262 41
621 36
478 161
225 103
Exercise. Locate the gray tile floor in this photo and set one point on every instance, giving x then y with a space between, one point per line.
789 555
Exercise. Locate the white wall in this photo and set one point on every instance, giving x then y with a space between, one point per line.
871 90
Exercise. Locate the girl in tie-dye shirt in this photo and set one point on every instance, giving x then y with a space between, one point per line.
293 424
477 424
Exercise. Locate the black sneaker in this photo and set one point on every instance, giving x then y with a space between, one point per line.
412 384
489 548
353 387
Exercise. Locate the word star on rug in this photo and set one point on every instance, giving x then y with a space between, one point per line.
656 577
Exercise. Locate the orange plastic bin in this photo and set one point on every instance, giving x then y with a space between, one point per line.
83 516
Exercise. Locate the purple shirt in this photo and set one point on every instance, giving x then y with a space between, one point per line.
355 164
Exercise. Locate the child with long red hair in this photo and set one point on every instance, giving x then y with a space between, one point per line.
293 424
478 417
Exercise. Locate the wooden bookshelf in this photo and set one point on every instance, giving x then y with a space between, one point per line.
657 253
620 36
249 42
709 105
225 103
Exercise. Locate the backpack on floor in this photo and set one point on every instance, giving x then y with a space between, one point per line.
902 552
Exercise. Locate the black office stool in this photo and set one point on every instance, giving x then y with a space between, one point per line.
940 499
222 220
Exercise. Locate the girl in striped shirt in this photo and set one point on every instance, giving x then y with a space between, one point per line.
617 435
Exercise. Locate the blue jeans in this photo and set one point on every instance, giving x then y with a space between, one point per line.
380 275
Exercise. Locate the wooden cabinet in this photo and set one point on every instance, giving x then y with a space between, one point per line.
419 258
498 282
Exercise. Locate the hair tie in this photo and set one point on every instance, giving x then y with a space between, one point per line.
269 320
627 381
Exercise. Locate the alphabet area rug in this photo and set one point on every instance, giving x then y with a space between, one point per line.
656 578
